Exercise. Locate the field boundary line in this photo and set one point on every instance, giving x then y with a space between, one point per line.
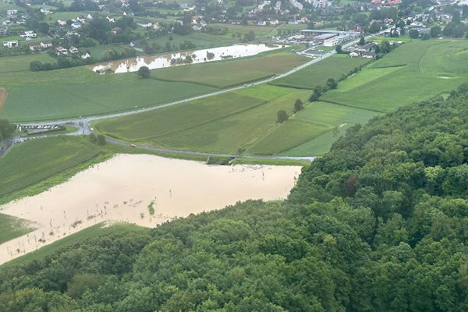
358 107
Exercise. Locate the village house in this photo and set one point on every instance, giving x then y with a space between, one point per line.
85 56
74 50
145 25
62 23
11 13
46 11
76 25
34 47
28 34
46 44
369 55
61 51
10 44
110 19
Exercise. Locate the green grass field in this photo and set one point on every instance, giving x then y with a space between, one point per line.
224 123
20 63
36 165
89 233
416 71
13 227
74 92
318 73
232 72
337 118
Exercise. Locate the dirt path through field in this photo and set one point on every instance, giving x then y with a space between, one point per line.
3 97
122 188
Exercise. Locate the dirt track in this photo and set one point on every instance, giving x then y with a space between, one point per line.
3 97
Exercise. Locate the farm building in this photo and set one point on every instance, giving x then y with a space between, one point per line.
10 44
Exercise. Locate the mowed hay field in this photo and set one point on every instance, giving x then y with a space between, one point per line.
225 124
318 73
35 161
13 227
415 71
232 72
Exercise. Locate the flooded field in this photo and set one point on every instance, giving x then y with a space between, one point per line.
176 59
141 189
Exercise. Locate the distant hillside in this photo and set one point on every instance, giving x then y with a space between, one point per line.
378 224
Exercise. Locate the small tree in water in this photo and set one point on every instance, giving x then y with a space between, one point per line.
144 72
282 116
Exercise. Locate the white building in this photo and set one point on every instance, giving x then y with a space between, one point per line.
11 12
10 44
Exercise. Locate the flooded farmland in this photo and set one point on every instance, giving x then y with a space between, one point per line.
176 59
126 186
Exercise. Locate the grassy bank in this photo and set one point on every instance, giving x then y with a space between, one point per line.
35 166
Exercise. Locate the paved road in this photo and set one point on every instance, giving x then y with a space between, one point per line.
82 123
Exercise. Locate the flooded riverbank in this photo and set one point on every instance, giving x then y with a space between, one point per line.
183 58
126 186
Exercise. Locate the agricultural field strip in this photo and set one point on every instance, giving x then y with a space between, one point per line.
142 110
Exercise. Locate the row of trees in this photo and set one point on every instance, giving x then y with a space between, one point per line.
282 115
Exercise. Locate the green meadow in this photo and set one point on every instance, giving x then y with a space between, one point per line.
13 227
415 71
36 165
226 123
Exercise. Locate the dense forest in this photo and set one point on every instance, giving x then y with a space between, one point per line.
377 224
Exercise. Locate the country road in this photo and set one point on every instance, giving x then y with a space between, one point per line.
82 123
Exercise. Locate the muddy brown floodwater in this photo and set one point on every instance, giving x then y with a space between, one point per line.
122 188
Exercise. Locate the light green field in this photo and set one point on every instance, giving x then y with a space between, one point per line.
32 164
292 133
318 73
12 228
89 233
416 71
21 63
223 124
337 118
232 72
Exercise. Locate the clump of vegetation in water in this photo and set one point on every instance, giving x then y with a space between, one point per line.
151 208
